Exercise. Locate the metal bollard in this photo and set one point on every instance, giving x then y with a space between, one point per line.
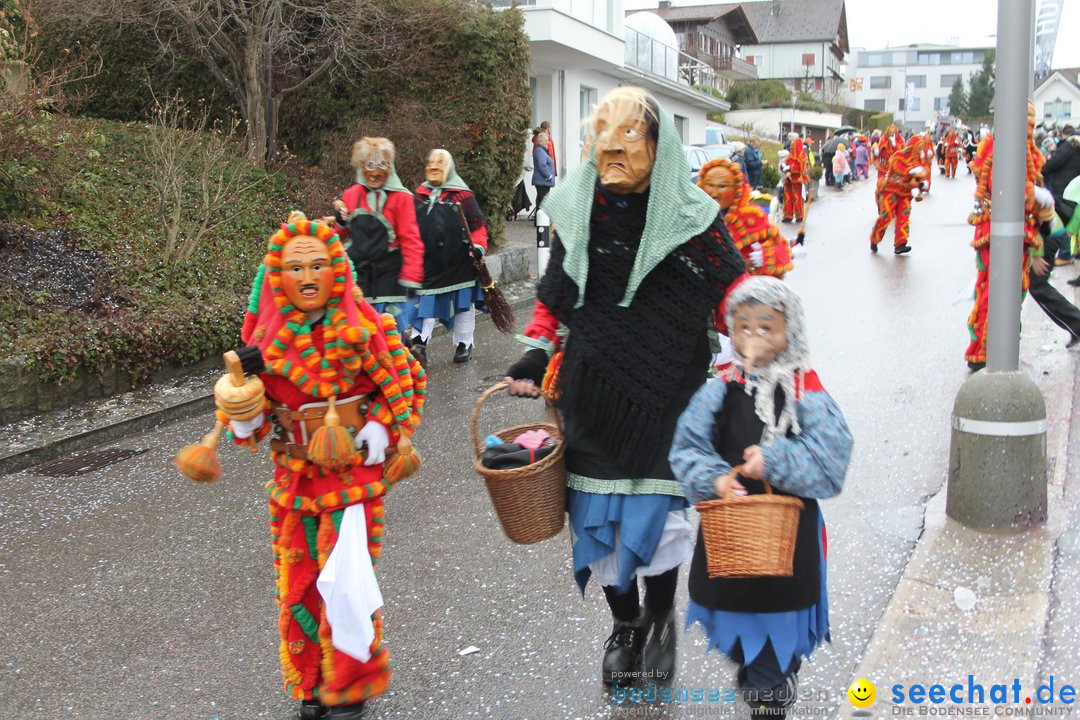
543 242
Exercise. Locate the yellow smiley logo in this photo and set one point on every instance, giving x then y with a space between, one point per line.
861 693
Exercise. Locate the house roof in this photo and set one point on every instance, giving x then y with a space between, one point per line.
732 13
1069 75
788 21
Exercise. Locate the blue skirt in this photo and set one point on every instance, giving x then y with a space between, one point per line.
794 633
595 517
444 306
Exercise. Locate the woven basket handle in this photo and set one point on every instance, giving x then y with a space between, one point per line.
474 421
730 478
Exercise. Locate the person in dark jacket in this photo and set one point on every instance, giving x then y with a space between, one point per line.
543 177
1058 172
752 163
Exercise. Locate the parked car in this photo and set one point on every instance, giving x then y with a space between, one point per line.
698 155
715 135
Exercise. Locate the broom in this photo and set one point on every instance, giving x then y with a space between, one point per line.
200 461
331 446
501 313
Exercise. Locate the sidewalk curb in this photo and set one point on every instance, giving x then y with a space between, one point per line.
28 457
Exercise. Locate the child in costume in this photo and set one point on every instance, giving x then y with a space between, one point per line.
317 346
952 153
766 251
905 180
770 414
377 221
454 232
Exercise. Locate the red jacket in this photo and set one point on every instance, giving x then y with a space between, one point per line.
401 212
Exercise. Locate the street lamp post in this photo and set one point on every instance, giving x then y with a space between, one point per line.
794 99
997 459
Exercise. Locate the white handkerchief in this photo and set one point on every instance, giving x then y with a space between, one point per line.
349 589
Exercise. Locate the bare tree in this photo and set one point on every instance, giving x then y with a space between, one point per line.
264 51
195 188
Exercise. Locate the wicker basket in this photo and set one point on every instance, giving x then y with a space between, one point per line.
749 536
531 500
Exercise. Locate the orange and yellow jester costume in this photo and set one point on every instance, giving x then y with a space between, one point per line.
952 153
982 166
795 178
904 179
749 224
883 149
354 355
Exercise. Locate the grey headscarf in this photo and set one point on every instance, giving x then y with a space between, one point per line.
787 370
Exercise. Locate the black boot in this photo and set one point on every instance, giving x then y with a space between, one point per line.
658 660
623 653
901 249
345 712
419 351
462 353
311 710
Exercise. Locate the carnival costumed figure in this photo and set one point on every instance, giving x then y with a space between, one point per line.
982 166
883 149
324 361
905 180
454 232
640 262
377 221
952 153
770 417
766 251
796 168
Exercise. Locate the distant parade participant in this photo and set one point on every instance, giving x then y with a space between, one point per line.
952 153
454 231
980 218
904 180
795 169
766 251
640 262
377 223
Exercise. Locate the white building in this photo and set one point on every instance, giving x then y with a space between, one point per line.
882 80
1057 99
582 49
802 42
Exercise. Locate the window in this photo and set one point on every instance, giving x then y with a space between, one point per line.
818 83
880 82
798 85
874 105
948 80
941 103
753 59
1058 109
587 99
918 80
809 59
915 105
682 128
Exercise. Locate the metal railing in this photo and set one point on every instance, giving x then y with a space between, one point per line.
597 13
651 55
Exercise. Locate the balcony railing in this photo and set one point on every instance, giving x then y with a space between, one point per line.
737 67
598 14
651 55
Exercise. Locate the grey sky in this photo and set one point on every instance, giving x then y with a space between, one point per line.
878 23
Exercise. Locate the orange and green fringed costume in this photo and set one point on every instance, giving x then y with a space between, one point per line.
982 166
749 224
798 165
905 177
883 149
351 353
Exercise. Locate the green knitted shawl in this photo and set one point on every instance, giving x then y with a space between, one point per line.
678 210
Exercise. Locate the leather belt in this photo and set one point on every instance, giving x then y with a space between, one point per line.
299 425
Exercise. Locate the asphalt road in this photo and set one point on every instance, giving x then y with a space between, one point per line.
132 593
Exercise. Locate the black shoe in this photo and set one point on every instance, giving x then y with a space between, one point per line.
873 247
462 354
622 654
901 249
311 710
770 702
975 366
1075 282
345 712
658 659
419 351
1072 343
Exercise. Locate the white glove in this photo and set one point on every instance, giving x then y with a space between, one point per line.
374 435
246 428
1043 197
757 257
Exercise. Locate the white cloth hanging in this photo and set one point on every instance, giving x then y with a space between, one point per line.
349 589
